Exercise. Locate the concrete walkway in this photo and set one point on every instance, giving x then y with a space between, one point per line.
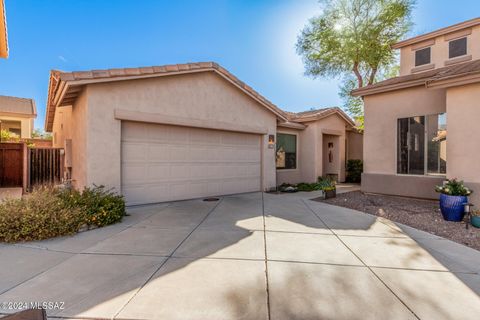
251 256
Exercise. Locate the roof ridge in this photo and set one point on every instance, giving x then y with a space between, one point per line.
116 74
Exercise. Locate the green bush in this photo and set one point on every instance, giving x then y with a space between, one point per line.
48 212
354 170
326 184
100 207
307 187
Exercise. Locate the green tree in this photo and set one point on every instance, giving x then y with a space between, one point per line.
352 39
40 134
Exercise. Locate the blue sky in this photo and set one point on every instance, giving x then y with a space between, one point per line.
253 39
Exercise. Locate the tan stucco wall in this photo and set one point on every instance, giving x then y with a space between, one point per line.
205 97
310 150
463 146
354 145
71 123
25 125
332 125
306 155
439 51
381 114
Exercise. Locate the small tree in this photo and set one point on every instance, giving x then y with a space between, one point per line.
40 134
353 39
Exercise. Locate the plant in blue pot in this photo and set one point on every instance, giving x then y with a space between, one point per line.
453 197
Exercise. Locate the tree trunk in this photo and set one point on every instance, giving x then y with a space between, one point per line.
373 73
358 75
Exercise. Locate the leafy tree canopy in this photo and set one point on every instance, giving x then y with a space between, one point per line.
352 39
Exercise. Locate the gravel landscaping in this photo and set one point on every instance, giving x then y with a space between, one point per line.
421 214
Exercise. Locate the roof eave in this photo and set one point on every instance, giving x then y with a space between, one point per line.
454 81
376 90
456 27
291 125
316 117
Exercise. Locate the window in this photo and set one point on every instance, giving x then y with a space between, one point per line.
422 145
15 131
286 151
422 56
457 48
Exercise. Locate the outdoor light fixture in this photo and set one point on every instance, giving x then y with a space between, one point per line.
467 208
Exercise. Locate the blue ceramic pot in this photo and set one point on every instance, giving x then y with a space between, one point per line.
452 207
475 221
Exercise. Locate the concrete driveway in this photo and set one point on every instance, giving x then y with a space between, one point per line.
251 256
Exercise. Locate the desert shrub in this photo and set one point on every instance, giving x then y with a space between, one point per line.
354 170
50 212
100 207
40 215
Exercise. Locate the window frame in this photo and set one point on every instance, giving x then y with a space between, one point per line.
429 57
457 39
425 174
296 151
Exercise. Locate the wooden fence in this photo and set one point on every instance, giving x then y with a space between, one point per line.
46 166
12 164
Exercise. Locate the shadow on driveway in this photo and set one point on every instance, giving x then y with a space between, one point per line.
249 256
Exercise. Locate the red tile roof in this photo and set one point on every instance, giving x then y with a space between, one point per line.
74 81
64 88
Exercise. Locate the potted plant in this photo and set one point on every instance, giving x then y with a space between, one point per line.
328 187
475 218
453 197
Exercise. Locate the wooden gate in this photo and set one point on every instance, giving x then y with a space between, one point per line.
46 166
11 164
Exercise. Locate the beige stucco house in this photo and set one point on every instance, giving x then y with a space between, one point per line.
17 116
405 140
187 131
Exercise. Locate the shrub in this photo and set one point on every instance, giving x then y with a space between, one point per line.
326 184
453 187
354 170
49 212
308 186
40 215
101 207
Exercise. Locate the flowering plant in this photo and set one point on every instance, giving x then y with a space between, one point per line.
453 187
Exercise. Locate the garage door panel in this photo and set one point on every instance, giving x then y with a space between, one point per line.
179 153
135 173
158 173
158 152
135 151
166 163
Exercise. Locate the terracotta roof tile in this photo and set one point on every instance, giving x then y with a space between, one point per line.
57 76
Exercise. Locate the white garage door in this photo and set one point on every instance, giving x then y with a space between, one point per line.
165 163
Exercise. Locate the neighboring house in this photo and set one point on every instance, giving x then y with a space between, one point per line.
3 32
17 116
186 131
406 118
